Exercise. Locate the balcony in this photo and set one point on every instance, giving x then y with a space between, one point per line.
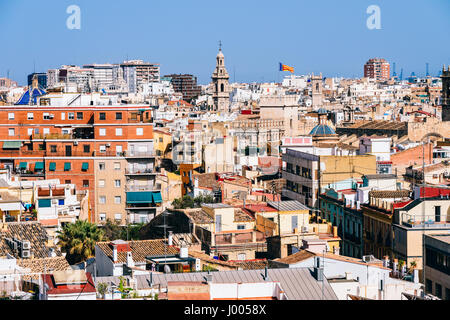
140 154
427 221
140 172
143 188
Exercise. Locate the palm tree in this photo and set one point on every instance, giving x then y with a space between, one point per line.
78 240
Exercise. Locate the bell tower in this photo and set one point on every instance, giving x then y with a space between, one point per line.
221 86
446 94
317 96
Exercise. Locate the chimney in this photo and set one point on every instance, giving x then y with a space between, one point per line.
318 270
130 262
170 238
386 261
416 275
395 266
114 253
184 252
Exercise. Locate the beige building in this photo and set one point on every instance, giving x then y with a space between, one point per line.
437 269
110 185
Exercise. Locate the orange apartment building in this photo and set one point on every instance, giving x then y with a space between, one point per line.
74 144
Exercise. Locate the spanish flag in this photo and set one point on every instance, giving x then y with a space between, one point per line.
284 67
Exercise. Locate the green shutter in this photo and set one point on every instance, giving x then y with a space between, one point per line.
39 166
67 166
85 166
23 165
52 166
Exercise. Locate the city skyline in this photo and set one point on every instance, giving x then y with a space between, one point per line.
340 47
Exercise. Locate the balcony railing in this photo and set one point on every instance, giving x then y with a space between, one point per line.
419 221
140 171
143 188
140 154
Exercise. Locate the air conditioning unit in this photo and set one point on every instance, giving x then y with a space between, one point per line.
368 258
75 143
25 254
108 145
26 245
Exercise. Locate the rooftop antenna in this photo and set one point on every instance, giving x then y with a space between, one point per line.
395 73
428 69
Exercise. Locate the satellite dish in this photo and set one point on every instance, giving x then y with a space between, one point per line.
167 269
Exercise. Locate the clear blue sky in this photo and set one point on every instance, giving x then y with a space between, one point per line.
326 36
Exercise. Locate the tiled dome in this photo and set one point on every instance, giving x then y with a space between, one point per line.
321 130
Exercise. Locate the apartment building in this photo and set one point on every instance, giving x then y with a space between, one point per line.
186 84
77 143
437 265
378 69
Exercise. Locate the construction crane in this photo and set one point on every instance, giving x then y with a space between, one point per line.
401 74
395 73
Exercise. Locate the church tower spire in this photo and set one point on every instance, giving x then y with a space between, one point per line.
221 86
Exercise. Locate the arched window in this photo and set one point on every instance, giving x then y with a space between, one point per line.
217 87
222 88
317 87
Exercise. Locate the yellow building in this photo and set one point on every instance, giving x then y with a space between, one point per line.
162 143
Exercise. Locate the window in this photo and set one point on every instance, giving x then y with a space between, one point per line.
46 116
63 116
161 139
103 148
118 217
429 286
46 131
119 150
11 132
117 199
36 131
242 256
11 116
117 183
79 115
116 165
67 181
101 166
101 183
85 183
71 116
118 131
102 116
241 227
118 115
102 216
102 199
86 148
30 132
139 131
102 132
438 290
53 148
30 116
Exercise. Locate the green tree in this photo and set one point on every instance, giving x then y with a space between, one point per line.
112 230
78 240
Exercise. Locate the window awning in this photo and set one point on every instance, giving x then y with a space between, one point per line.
52 166
67 166
85 166
157 197
139 197
23 165
39 166
12 145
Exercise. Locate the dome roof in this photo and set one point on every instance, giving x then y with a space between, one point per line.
322 130
322 111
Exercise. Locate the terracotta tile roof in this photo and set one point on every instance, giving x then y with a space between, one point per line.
241 216
389 194
204 257
296 257
31 231
199 216
139 249
207 180
46 265
251 264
